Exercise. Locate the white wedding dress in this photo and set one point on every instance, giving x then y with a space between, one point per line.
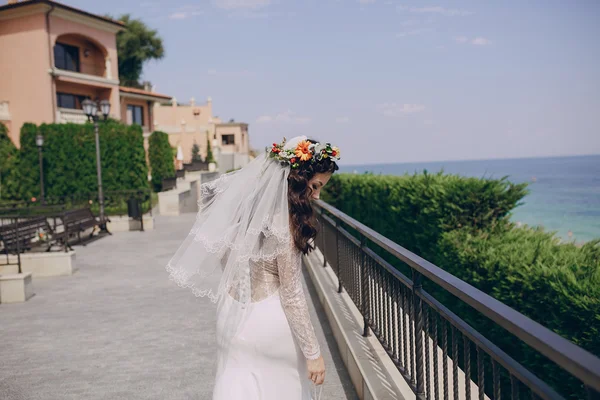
266 358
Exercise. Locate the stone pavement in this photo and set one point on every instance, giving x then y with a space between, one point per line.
119 329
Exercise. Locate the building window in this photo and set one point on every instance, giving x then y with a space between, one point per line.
135 115
67 100
228 139
66 57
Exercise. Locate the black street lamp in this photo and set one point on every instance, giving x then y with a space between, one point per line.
39 141
90 108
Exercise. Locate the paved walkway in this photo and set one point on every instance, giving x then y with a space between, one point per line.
114 330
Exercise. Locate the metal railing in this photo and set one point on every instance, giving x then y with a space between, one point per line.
432 347
115 202
65 115
195 166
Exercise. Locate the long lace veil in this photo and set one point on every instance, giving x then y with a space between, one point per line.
243 218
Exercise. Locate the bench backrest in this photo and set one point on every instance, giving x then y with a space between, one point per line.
23 232
80 216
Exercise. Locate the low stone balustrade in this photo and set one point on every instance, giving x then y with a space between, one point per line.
184 198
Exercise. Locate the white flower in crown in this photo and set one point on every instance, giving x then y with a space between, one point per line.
318 150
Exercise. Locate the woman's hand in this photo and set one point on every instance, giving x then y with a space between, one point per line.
316 370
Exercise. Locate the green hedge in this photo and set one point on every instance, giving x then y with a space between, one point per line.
8 158
462 225
69 157
415 210
556 284
161 159
529 270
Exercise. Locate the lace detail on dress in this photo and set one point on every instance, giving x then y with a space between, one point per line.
291 291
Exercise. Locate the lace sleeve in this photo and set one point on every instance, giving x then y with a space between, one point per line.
289 266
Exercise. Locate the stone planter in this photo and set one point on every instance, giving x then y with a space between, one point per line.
56 263
126 224
16 288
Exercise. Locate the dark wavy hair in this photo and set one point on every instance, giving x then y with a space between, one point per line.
302 218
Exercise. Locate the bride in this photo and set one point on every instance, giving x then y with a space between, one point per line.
244 253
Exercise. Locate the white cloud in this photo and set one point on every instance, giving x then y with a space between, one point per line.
366 1
178 15
480 41
412 32
186 11
342 120
241 4
395 110
435 10
409 22
229 74
286 117
263 119
249 14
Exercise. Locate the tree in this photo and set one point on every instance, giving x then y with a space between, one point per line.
209 155
8 159
160 154
136 45
196 153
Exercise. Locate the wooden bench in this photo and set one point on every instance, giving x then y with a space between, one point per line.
23 235
77 221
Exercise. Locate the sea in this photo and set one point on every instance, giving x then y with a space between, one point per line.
564 192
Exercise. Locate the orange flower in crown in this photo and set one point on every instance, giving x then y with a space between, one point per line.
303 150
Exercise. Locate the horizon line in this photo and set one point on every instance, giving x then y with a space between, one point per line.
471 159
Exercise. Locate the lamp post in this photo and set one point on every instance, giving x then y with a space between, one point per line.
39 141
91 110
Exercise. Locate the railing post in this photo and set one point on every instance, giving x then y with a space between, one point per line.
323 239
417 313
18 237
337 252
364 287
66 232
592 394
141 212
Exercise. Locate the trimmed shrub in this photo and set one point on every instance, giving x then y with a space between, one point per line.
415 210
8 159
196 153
210 158
161 159
69 160
24 178
556 284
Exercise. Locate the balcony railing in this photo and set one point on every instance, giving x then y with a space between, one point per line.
432 346
66 115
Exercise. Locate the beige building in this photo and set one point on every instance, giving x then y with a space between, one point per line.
53 57
191 123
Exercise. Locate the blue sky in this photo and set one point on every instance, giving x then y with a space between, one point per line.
387 80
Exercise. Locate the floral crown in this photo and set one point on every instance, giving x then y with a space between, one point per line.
304 151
